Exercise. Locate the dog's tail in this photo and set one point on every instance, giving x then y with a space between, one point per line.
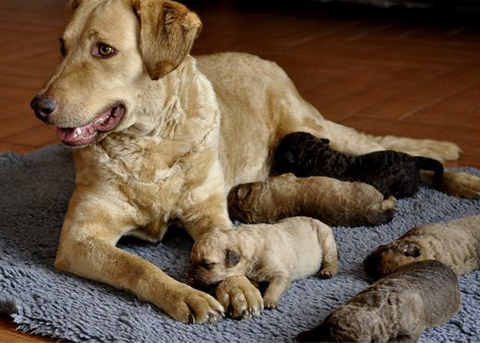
425 163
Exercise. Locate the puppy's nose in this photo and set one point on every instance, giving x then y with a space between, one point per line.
43 106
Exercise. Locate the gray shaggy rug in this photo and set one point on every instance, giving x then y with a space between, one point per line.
34 193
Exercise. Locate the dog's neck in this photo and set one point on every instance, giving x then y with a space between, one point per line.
176 131
171 122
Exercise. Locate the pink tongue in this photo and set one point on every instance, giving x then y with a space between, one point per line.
74 135
65 135
85 134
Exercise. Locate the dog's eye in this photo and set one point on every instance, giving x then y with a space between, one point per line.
104 50
63 48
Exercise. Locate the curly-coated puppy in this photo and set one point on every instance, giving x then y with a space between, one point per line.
391 172
455 243
395 309
332 201
278 253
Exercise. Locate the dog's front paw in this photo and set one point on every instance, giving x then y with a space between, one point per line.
239 297
189 305
461 184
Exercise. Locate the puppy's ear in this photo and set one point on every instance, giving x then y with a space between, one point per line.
410 249
232 258
242 192
289 157
325 141
167 32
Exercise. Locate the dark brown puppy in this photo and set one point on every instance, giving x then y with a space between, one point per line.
332 201
391 172
395 309
455 243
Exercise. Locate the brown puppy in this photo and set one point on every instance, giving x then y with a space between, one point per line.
395 309
332 201
455 243
288 250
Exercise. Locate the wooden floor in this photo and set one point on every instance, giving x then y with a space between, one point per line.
382 72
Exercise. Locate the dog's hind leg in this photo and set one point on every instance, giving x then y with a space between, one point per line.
439 150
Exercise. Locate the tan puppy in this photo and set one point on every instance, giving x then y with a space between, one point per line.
455 243
162 137
332 201
292 249
395 309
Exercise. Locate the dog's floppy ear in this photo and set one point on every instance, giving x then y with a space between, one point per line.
232 258
167 32
71 7
410 249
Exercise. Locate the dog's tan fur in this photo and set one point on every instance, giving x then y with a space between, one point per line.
332 201
185 139
455 243
291 249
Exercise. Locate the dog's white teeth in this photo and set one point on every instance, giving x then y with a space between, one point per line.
78 131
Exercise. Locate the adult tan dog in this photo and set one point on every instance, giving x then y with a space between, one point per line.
162 137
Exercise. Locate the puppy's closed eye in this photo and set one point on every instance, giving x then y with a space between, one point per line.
206 264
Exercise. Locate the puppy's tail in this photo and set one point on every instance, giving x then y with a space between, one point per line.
425 163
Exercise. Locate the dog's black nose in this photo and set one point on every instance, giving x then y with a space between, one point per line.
43 106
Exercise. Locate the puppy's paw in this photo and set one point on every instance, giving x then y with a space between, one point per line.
239 297
461 184
270 302
327 272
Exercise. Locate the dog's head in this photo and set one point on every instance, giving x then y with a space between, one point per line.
216 256
112 52
388 258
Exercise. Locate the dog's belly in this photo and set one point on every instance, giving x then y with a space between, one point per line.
257 101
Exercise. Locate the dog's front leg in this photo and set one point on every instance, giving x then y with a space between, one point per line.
87 248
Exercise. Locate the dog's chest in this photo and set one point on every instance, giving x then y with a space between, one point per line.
147 182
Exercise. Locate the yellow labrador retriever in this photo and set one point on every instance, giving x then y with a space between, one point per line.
161 137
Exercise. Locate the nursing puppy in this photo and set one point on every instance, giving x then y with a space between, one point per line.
455 243
395 309
291 249
332 201
391 172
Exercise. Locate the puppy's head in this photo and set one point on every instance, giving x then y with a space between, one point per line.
388 258
216 256
296 147
112 51
241 201
342 325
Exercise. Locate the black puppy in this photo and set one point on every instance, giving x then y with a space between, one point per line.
391 172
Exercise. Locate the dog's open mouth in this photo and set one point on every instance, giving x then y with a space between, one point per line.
86 134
